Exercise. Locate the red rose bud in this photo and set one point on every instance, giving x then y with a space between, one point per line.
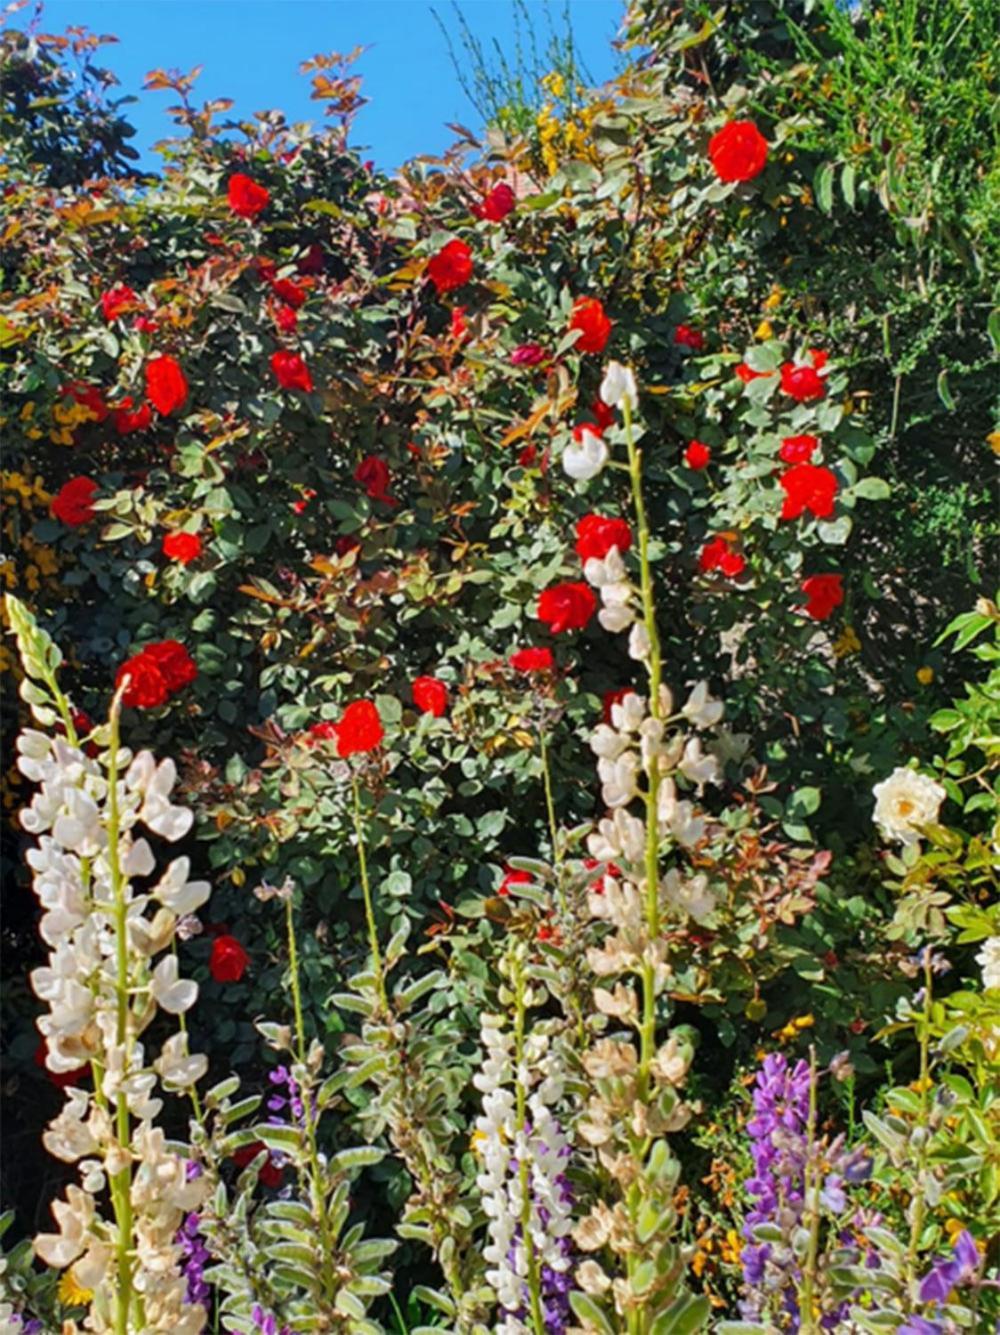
511 878
566 606
808 487
291 371
73 502
686 337
166 385
372 473
128 418
697 455
532 660
823 594
595 328
430 696
118 300
182 547
528 354
718 555
595 536
495 206
359 730
806 381
451 267
798 449
290 292
228 960
246 197
738 152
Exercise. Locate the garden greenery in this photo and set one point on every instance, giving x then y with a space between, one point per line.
503 830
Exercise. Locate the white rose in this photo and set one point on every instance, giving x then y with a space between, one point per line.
989 959
618 386
585 455
904 802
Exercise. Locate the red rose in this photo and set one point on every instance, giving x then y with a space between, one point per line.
604 414
823 593
528 354
804 382
146 687
228 960
595 536
290 292
271 1174
459 329
89 397
182 547
246 197
73 502
451 267
567 606
144 324
291 371
747 373
174 663
166 385
532 660
686 337
128 418
718 554
738 151
116 301
808 487
607 868
300 506
697 455
372 473
495 206
313 261
797 449
325 731
512 877
430 696
60 1078
595 328
360 729
286 319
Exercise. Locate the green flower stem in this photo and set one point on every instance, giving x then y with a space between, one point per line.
534 1282
550 805
923 1118
655 671
121 1182
811 1193
316 1185
367 891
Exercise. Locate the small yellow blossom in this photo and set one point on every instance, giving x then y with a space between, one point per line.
763 330
925 675
774 298
71 1291
846 643
793 1028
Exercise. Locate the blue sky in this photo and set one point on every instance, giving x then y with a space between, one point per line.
251 51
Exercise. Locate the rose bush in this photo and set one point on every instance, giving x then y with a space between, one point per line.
349 484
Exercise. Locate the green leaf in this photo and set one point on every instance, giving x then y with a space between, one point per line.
361 1156
944 392
587 1310
823 186
848 180
872 489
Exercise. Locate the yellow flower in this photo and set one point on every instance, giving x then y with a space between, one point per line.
847 643
993 441
71 1291
763 330
774 299
793 1028
925 675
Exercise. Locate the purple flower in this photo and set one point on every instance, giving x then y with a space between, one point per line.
917 1325
948 1274
195 1256
528 354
